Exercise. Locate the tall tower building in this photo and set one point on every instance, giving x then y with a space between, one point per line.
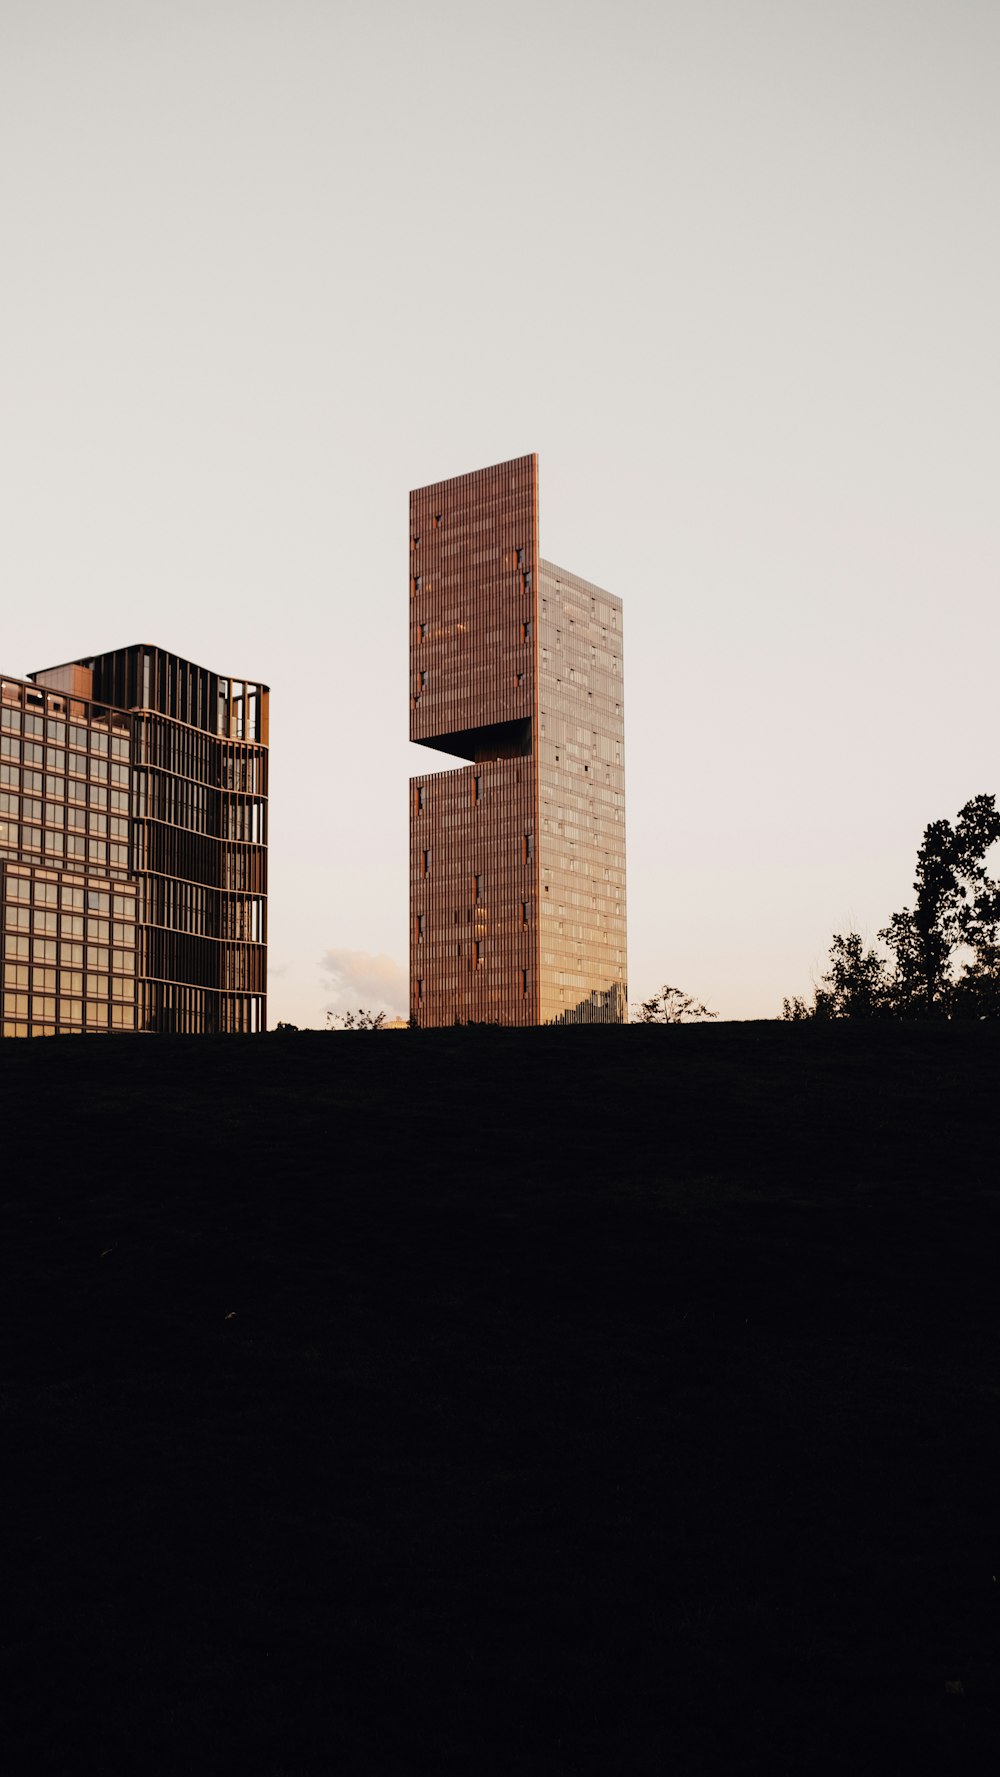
133 848
517 857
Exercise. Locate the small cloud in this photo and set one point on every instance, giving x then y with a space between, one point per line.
278 969
354 979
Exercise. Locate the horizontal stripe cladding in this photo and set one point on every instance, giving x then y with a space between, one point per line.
581 768
200 856
181 811
474 895
473 600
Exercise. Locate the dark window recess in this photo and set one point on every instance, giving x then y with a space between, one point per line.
423 679
478 888
420 990
420 798
520 558
423 632
524 912
477 789
526 632
529 847
437 520
524 981
520 678
421 927
478 948
427 863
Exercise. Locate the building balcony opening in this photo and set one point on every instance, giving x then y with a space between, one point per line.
498 740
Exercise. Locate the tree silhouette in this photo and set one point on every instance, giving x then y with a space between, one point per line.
671 1006
945 950
362 1019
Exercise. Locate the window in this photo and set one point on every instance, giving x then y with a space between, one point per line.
524 912
423 632
526 631
427 862
477 954
420 990
420 798
477 888
423 679
529 847
524 981
477 789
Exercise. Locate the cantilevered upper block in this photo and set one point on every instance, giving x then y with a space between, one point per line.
473 605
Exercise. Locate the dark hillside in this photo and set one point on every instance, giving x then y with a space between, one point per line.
510 1403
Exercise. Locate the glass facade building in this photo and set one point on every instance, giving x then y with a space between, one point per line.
517 857
133 848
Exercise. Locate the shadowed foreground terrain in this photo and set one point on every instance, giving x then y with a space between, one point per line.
560 1401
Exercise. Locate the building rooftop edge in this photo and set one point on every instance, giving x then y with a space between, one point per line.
550 567
89 659
530 456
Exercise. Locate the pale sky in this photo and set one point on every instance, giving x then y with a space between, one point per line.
732 268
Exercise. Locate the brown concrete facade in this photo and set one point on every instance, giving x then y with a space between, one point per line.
517 867
133 848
